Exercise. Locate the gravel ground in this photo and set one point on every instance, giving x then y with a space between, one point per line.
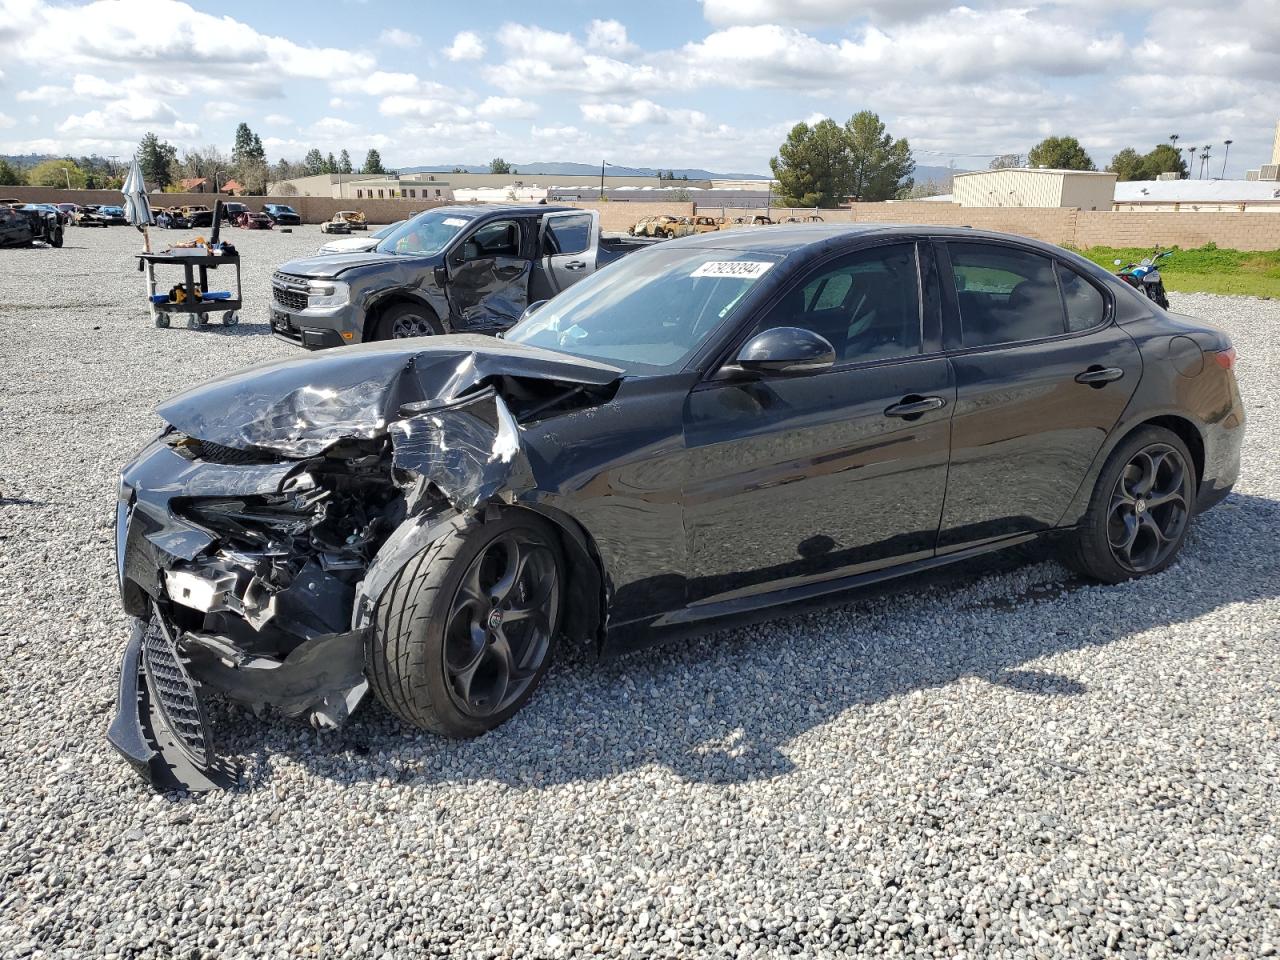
996 763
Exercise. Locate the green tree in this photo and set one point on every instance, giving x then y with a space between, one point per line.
344 162
878 164
1164 158
51 173
247 148
1126 165
498 165
372 163
313 162
330 164
812 165
10 176
1060 153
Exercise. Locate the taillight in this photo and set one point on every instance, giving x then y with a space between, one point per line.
1226 358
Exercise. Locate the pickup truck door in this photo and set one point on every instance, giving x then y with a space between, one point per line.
568 247
489 272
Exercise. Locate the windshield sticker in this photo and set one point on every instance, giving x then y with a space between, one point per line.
741 269
455 222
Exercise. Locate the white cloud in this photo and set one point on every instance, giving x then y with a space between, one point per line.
337 103
333 127
639 112
466 46
547 61
609 36
535 42
815 12
6 121
42 94
428 107
381 83
505 107
560 133
395 37
278 120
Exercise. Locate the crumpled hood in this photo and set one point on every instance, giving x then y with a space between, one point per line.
299 407
331 264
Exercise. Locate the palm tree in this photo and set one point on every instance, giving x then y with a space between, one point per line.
1225 153
1204 158
1191 159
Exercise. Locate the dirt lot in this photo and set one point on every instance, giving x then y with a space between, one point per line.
1003 762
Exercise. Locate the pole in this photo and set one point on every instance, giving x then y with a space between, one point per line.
1226 152
601 198
67 173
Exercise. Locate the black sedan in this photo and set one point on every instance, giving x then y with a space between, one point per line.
282 214
702 432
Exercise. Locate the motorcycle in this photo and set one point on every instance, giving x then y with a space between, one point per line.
1145 277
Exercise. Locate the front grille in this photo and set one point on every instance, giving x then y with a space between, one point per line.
285 290
228 456
175 694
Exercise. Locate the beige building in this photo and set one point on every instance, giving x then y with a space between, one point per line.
365 186
1035 187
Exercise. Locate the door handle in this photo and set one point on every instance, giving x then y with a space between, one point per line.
1097 376
575 265
914 407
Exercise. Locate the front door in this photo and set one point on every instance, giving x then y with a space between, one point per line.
1042 377
488 286
794 480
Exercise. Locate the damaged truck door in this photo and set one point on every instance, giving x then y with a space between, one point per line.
488 276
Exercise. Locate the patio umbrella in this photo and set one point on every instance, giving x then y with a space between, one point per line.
136 205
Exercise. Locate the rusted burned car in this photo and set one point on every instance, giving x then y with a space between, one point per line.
663 227
23 226
354 219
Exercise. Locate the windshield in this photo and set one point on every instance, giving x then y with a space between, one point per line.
649 312
427 233
280 207
386 231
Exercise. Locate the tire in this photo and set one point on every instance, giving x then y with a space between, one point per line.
421 656
1147 487
230 318
407 320
56 239
162 321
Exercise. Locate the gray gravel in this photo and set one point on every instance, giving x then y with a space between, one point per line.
1000 763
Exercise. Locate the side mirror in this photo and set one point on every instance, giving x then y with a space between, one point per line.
787 351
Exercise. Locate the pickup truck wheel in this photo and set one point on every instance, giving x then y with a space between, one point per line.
407 320
56 239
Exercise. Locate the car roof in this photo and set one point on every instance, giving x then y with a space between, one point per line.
789 238
482 210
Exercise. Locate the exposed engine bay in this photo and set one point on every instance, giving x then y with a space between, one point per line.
257 533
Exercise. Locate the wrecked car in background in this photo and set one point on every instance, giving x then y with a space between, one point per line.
28 224
470 269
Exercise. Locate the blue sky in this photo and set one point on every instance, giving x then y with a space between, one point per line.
708 83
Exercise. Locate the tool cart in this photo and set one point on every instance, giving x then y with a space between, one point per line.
192 296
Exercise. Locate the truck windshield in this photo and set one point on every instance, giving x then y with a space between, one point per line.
427 233
650 312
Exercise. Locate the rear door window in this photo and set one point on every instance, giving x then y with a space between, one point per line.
567 235
1005 295
1085 306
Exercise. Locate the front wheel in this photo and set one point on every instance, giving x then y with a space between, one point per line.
465 632
56 239
1140 510
407 320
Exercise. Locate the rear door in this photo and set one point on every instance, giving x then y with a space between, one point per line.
569 243
1042 376
489 273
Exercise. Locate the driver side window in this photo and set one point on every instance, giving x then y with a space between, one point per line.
500 239
867 305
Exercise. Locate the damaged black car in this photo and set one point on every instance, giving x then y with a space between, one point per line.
708 429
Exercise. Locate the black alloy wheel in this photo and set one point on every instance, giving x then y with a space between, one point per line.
1150 506
500 625
1140 510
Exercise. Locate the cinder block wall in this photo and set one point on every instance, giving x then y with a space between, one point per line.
617 216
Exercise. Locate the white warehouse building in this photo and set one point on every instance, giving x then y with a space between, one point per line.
1035 187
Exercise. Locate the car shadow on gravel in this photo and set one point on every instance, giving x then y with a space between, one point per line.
723 708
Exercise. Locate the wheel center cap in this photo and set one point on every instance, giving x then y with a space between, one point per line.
1140 506
495 619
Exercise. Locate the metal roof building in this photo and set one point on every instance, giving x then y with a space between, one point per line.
1034 187
1199 196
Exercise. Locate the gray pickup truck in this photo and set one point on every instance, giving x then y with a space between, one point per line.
457 269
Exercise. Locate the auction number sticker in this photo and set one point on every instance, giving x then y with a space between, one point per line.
741 269
455 222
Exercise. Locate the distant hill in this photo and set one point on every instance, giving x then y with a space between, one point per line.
586 170
566 168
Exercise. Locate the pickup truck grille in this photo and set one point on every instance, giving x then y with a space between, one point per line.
289 292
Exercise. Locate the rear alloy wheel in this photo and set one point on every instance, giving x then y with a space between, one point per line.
465 632
407 320
1140 511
